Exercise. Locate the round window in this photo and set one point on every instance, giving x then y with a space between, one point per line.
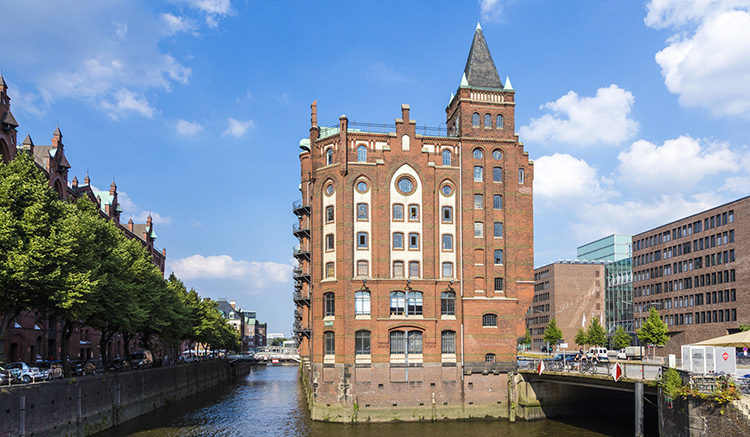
478 154
329 189
361 186
497 154
405 185
447 190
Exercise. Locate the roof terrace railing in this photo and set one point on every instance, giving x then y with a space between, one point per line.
383 128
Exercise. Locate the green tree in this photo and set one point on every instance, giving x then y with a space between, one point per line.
653 331
30 240
552 334
581 338
744 327
595 334
621 338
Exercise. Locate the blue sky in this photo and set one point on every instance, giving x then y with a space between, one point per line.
635 113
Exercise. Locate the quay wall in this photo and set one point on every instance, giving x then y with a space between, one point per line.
84 406
701 418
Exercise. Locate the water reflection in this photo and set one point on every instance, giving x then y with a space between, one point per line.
270 402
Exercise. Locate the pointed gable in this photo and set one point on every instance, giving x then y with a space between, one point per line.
480 70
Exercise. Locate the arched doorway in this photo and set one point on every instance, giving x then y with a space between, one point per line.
16 349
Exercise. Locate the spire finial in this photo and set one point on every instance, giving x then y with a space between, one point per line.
479 27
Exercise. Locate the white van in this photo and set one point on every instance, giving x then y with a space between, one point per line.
600 352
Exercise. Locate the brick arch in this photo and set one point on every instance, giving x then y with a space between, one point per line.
58 187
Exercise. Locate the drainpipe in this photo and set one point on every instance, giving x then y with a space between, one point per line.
461 227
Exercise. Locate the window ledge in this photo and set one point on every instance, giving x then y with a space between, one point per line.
362 317
446 317
329 318
328 280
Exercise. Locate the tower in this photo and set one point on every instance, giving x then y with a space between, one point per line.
8 125
415 257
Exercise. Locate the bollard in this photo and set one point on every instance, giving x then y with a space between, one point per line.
639 409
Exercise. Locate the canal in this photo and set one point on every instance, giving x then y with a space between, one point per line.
270 402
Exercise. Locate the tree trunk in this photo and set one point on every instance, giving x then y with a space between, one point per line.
67 333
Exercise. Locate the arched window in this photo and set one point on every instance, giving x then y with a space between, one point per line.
362 343
448 303
448 342
362 153
489 358
475 120
406 342
447 269
362 303
398 303
489 320
330 342
499 122
330 272
498 256
329 300
446 157
398 342
329 156
487 121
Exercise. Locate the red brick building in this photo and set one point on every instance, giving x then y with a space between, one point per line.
571 292
415 258
696 272
30 336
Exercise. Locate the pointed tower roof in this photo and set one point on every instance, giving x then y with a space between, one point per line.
480 70
2 81
57 132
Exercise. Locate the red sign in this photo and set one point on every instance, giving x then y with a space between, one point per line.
725 356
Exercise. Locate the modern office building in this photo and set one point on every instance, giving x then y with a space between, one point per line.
616 250
571 292
415 258
694 271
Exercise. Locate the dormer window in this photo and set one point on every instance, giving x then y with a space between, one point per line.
329 156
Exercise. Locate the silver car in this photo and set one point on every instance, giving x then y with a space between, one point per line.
24 373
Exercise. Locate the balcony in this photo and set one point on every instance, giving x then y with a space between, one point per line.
300 330
301 253
301 300
300 231
298 314
300 208
299 275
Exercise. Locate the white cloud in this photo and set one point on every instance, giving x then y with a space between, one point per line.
187 128
707 61
107 53
382 74
237 128
258 274
678 165
561 178
492 10
127 101
585 121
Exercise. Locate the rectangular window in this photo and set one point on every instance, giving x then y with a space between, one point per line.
448 342
362 343
447 242
413 269
498 284
362 211
478 173
497 229
413 240
447 214
329 242
330 343
398 342
447 270
521 176
329 270
398 212
329 213
498 256
497 201
478 229
398 269
361 240
362 303
398 240
478 201
413 212
362 268
330 304
497 174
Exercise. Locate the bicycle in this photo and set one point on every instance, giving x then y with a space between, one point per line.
588 367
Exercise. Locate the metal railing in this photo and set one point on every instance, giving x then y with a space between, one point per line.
382 128
642 371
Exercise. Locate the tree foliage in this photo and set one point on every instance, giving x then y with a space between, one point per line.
621 338
581 338
69 263
552 334
595 334
653 331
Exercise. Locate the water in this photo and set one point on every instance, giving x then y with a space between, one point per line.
270 402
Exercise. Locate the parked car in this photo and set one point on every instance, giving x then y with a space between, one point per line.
141 359
600 352
24 373
51 370
5 375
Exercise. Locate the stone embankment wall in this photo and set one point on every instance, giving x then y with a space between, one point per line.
84 406
700 418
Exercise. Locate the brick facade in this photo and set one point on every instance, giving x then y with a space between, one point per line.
695 272
415 258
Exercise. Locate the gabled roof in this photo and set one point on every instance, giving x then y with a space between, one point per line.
107 199
9 119
480 70
140 229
